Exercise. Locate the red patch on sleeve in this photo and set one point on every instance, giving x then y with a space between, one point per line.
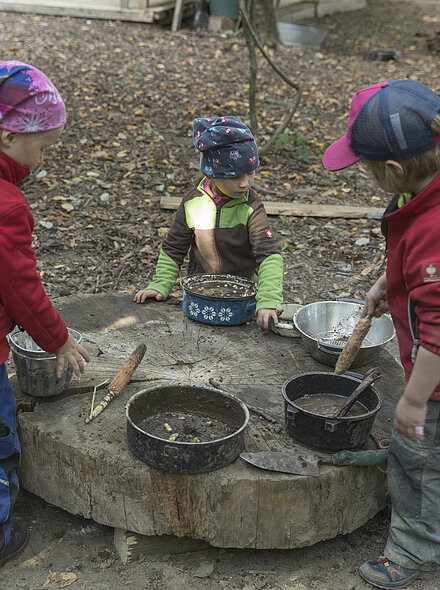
269 233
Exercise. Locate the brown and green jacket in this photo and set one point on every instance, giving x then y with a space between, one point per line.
232 238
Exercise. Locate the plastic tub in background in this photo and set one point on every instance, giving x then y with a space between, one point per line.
227 8
302 34
36 368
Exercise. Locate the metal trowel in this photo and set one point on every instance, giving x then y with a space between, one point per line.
304 463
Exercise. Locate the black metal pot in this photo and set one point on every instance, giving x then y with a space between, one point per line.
322 433
186 457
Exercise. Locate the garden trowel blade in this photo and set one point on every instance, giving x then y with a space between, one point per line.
291 462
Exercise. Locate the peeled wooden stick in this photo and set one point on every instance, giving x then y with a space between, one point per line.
119 381
92 405
353 344
370 377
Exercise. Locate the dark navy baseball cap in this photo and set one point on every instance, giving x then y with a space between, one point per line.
390 120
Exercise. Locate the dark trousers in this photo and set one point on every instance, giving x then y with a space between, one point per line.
9 457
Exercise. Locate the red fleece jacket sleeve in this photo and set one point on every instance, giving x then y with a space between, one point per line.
426 295
428 315
21 290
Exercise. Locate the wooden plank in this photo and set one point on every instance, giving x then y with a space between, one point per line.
98 13
302 209
99 9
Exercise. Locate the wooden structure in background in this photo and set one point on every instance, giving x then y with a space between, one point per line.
150 11
147 11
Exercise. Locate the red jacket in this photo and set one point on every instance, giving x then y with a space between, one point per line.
413 274
22 296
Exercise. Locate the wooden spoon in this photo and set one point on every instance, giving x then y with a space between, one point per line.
353 344
370 376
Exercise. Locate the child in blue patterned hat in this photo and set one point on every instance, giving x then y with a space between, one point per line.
222 221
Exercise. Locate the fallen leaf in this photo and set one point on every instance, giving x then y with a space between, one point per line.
46 224
66 579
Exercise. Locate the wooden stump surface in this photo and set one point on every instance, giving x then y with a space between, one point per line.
88 469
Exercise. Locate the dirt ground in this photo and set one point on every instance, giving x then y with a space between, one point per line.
132 91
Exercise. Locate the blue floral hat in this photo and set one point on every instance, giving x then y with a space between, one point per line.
227 147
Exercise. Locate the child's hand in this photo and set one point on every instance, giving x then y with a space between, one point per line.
73 353
142 296
265 315
375 300
408 417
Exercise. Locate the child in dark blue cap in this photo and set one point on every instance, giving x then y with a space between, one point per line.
394 129
222 221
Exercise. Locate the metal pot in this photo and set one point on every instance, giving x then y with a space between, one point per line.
322 433
218 311
186 457
35 368
325 326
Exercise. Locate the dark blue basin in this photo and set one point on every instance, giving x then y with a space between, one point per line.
218 310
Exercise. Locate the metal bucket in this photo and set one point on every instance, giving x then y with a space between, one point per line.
325 326
35 368
186 457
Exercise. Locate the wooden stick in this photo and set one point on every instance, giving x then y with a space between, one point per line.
353 344
119 381
94 394
370 377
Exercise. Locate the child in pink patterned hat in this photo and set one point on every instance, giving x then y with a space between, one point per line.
32 117
29 102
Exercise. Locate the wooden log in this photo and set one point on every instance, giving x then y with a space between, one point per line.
352 345
93 473
301 209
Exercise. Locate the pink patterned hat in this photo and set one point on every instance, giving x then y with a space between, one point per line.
29 102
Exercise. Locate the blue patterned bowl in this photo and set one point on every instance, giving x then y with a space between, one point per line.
219 310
